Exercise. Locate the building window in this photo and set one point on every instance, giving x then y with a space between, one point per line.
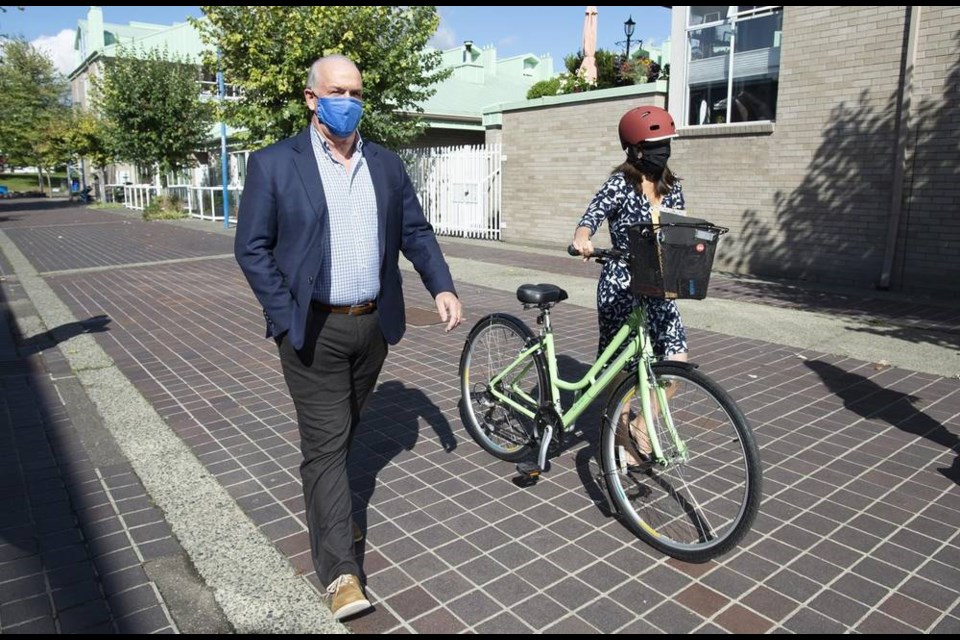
734 63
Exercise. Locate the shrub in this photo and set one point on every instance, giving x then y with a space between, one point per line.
164 208
608 67
543 88
574 83
636 71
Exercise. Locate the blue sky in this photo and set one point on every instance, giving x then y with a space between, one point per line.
513 30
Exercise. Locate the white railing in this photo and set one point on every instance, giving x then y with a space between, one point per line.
203 203
135 196
206 203
459 188
209 90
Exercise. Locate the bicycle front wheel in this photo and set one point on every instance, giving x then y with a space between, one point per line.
700 499
495 343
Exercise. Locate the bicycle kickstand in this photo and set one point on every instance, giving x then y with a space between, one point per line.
530 471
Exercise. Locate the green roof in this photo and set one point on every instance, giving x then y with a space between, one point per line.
479 81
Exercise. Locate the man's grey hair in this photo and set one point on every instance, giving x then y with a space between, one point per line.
321 62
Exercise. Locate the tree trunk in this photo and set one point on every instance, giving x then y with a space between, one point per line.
100 190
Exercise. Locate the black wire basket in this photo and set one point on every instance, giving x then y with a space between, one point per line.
673 259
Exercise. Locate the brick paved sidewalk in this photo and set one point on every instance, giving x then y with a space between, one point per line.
75 533
858 529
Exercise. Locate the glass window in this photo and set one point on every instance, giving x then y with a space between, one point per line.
707 15
734 65
761 32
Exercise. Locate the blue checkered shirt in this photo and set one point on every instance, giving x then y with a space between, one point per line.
351 274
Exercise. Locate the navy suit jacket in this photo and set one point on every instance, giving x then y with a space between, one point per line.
283 235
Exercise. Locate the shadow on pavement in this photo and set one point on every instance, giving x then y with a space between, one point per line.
869 400
53 337
380 444
13 205
58 539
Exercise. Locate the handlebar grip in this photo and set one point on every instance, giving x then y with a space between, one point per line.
572 250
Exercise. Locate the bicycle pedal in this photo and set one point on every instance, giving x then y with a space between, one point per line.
529 474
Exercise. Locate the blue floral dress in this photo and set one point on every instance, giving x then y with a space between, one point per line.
622 207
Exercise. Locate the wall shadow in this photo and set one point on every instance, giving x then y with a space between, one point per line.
832 228
58 554
869 400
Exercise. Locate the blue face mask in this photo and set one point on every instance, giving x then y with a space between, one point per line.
341 115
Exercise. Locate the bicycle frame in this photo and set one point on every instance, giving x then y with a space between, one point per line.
593 383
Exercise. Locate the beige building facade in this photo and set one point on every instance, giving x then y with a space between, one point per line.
826 138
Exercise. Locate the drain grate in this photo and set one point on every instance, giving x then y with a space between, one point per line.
420 317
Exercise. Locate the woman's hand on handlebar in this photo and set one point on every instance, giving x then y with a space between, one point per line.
581 242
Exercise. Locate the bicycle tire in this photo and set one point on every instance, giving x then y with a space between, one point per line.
694 508
493 344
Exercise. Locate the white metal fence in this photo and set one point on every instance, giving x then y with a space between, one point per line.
133 196
203 203
459 188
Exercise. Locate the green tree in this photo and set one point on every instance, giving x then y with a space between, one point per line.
86 137
33 99
54 151
267 52
152 112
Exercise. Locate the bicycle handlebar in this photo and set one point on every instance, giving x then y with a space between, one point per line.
600 255
603 255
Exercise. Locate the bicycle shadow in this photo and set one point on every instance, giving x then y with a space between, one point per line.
391 425
588 424
871 401
587 430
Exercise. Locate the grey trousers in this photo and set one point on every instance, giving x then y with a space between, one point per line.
330 380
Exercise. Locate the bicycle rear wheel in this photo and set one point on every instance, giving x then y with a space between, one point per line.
494 344
696 504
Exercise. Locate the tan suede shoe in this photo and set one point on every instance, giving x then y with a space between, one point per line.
346 597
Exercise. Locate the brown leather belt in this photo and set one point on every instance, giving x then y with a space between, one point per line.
354 310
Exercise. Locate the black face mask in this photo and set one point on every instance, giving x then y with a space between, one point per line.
653 157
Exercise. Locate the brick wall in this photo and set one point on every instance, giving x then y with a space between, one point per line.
808 197
929 249
556 159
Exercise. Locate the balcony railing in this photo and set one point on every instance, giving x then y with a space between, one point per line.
209 91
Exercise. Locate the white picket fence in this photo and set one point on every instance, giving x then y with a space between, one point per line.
459 188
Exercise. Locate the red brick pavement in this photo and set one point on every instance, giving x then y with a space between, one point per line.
858 530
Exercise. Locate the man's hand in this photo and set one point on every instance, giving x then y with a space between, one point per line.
450 309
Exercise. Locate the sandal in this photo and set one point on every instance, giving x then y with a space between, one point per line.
635 456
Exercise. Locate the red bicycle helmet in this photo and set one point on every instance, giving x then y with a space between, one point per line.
646 124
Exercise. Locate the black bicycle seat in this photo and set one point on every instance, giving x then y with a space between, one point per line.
540 293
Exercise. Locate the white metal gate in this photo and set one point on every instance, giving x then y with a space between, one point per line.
459 188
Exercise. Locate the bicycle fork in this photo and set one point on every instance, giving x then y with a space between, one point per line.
647 382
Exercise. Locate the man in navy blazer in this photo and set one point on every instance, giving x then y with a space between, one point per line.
322 221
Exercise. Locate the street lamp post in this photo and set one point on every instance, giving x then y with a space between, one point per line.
628 27
224 159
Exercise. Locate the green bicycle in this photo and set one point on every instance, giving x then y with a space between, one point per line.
696 490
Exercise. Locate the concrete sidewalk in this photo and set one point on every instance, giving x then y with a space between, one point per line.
858 530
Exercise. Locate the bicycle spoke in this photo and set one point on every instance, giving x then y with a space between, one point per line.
499 427
701 496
